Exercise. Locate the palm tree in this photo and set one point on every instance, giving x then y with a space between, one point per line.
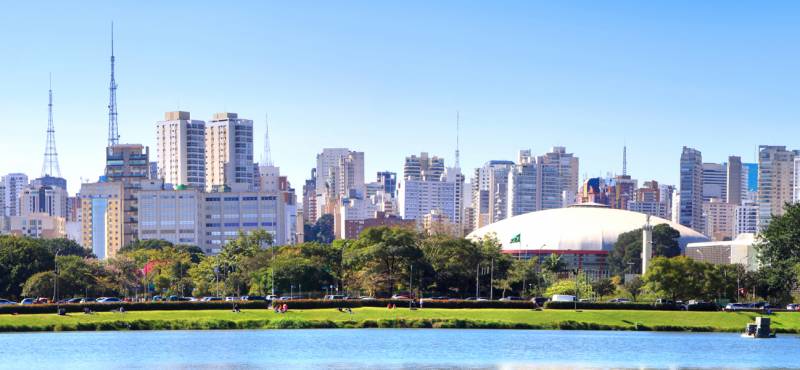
553 263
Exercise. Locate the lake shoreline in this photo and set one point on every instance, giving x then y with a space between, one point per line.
398 318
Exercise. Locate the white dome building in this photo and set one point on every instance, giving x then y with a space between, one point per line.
583 233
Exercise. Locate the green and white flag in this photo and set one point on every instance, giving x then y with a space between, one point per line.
516 239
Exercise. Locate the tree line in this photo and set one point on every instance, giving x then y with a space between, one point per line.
384 261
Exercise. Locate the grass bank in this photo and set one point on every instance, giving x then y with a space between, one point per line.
371 317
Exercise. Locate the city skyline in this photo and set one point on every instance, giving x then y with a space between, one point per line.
318 91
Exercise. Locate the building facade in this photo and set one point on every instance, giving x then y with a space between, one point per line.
13 184
229 153
181 150
691 189
129 165
719 219
102 217
775 181
171 215
225 215
45 199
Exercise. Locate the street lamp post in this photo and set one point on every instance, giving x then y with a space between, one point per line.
55 278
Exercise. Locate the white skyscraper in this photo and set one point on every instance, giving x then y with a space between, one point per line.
13 184
418 195
327 178
775 181
523 185
229 152
43 199
181 150
482 207
796 179
690 213
714 181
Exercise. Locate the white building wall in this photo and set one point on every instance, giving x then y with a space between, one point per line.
13 184
181 150
170 215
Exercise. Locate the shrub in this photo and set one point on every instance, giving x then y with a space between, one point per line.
608 306
305 304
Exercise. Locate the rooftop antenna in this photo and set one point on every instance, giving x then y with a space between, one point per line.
267 159
624 160
458 126
113 130
50 166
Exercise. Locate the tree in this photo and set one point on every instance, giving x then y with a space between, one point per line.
382 257
676 278
39 284
626 255
454 262
523 273
567 287
76 275
634 286
321 231
603 287
122 275
20 258
553 263
66 247
778 249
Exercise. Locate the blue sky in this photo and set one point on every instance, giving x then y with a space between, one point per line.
388 78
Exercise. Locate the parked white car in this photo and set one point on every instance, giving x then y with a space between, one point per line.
562 298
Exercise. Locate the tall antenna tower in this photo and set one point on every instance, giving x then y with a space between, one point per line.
624 160
458 126
266 160
113 128
50 166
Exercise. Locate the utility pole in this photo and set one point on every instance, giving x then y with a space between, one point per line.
55 279
477 287
491 281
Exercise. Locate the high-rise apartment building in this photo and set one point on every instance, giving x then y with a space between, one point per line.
415 168
623 190
648 200
388 181
498 193
691 189
775 181
171 215
45 199
735 180
351 181
338 171
102 217
481 206
796 197
310 198
128 164
714 181
229 153
523 181
566 166
181 150
745 218
421 192
225 215
13 184
719 219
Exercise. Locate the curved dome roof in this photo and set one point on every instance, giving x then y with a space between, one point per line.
581 227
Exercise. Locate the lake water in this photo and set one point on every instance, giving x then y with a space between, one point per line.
393 348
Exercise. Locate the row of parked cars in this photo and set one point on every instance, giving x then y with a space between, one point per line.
63 301
731 307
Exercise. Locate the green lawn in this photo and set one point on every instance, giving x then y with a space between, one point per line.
381 317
